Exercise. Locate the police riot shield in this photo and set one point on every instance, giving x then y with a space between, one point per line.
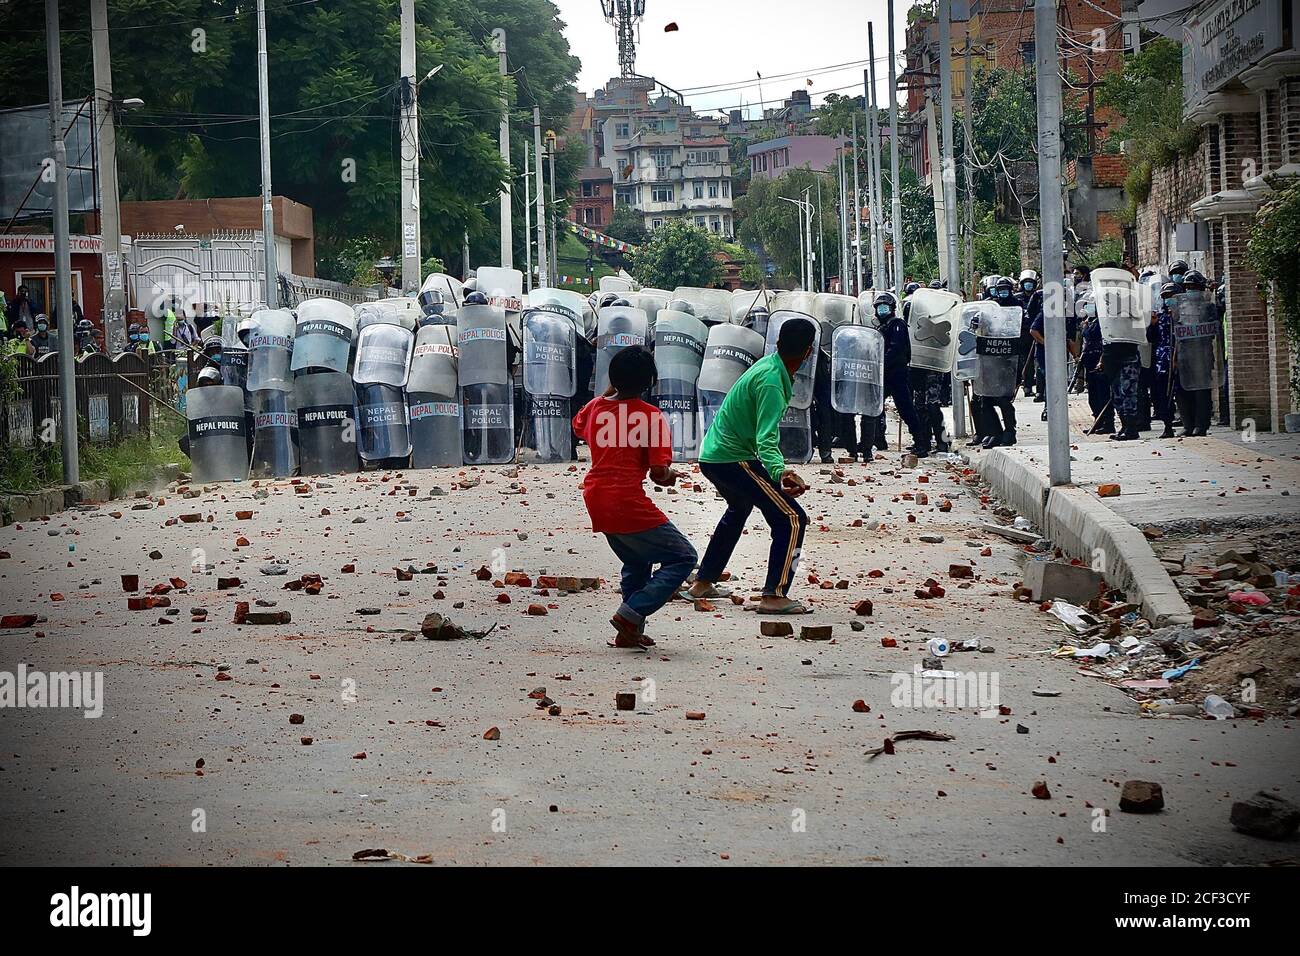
932 327
746 301
712 306
487 397
271 351
550 381
327 424
728 353
997 340
1195 332
650 303
433 399
796 424
619 327
867 309
795 300
679 353
966 364
383 354
832 311
275 434
323 335
234 365
383 428
857 371
562 302
218 434
453 291
1120 306
618 283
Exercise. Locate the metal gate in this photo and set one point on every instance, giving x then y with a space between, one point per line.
225 269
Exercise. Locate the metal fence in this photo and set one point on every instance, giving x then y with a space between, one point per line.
294 289
113 398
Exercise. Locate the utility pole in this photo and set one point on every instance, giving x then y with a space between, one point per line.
464 256
543 260
528 219
873 123
1051 236
110 218
271 280
507 224
821 242
555 215
895 194
969 136
949 165
949 171
62 251
806 193
410 149
840 219
857 213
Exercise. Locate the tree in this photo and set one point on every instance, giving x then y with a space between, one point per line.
837 113
768 220
334 101
628 225
678 253
1148 94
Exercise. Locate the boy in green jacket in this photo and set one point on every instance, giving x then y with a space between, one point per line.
741 455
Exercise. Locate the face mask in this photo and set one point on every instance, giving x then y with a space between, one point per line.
144 337
1170 303
133 337
882 310
1004 293
1176 280
1027 285
42 327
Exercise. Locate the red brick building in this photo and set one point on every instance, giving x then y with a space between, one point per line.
593 199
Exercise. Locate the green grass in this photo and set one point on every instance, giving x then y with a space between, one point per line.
573 261
135 460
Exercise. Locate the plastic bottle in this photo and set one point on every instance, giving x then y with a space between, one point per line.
1218 708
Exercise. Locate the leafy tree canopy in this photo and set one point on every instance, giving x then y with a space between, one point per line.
678 253
333 69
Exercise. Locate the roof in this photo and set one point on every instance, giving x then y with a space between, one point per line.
595 172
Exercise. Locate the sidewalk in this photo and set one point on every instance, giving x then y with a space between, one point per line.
1229 480
1223 478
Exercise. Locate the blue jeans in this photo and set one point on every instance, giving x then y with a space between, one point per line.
645 590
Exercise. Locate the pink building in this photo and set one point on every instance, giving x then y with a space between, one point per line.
775 157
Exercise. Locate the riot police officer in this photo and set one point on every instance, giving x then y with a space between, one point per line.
1161 336
898 355
1194 339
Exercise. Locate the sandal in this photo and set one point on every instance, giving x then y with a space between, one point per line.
713 593
790 607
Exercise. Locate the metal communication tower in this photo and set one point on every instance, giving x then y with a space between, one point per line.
624 15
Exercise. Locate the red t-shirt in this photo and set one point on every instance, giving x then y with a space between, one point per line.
627 438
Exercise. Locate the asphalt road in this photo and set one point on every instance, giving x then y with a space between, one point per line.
775 772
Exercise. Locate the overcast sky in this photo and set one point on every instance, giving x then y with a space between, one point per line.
725 42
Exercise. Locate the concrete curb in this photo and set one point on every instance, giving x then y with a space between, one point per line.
53 500
1084 528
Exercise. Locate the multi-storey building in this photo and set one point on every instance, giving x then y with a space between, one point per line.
664 161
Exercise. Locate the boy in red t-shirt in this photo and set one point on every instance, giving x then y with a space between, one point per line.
627 438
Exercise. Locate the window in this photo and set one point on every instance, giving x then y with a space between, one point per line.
726 188
41 286
588 190
656 223
699 190
715 224
699 221
662 157
713 190
663 194
622 130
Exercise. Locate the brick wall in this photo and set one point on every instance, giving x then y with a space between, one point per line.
1173 190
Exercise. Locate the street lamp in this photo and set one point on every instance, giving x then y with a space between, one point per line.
803 263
